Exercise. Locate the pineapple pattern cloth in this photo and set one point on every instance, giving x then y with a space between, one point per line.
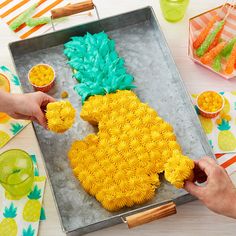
120 165
9 127
221 132
20 217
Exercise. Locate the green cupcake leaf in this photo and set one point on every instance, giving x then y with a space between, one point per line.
98 68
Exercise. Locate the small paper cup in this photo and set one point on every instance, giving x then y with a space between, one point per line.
45 88
208 114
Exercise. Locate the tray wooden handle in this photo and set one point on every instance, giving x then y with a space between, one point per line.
72 9
151 215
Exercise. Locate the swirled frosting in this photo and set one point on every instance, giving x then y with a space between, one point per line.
99 69
121 163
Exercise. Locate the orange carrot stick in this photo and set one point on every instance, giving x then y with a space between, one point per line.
217 39
209 56
201 37
231 61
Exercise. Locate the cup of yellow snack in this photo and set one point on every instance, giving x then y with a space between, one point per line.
42 77
210 103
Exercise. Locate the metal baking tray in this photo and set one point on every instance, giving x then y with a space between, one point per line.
140 41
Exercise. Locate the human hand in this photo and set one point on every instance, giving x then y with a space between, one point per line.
218 193
29 106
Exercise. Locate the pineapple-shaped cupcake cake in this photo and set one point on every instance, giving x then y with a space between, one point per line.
119 165
8 226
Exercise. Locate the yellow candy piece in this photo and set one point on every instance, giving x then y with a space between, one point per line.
64 94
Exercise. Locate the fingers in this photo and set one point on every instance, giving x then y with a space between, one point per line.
18 116
34 120
193 189
210 160
45 99
40 118
41 100
204 169
199 175
48 98
205 164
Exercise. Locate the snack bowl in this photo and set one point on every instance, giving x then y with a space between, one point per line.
37 81
204 100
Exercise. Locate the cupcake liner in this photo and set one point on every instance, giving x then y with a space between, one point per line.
45 88
207 114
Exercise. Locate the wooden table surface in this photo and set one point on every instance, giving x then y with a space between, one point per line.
192 218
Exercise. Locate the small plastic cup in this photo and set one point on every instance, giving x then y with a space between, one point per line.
208 114
174 10
45 88
16 172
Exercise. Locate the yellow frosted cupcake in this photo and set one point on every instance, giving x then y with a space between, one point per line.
60 116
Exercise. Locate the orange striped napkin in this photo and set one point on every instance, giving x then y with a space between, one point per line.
10 9
228 161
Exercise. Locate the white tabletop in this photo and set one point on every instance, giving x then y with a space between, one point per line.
192 218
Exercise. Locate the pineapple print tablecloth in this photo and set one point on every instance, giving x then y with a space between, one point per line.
9 127
20 217
221 131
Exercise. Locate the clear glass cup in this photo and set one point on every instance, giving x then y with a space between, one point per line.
16 172
174 10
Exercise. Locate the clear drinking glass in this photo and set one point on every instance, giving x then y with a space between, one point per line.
16 172
174 10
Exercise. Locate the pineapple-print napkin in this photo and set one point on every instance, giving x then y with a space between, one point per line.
20 217
221 131
9 127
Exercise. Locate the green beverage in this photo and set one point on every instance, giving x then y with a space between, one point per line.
173 10
16 172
